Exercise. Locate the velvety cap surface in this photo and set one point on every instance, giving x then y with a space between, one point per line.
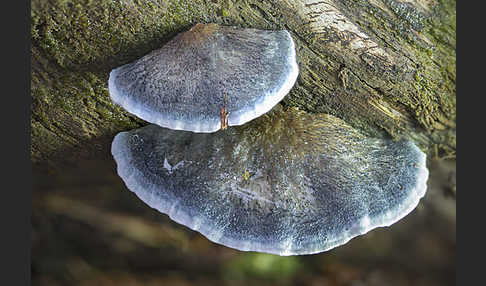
287 183
185 84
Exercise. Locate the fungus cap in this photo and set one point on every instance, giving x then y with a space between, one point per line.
205 72
287 183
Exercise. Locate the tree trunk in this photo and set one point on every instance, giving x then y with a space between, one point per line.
386 67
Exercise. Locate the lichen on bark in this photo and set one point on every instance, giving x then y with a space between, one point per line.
386 67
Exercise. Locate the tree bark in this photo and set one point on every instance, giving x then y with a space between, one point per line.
386 67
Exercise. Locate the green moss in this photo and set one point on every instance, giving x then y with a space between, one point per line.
77 33
224 12
437 88
429 97
75 43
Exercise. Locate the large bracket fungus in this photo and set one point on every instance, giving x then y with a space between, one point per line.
205 72
286 183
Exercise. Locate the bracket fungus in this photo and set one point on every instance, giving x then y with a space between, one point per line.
287 183
205 73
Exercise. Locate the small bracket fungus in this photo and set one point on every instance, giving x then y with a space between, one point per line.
287 183
207 77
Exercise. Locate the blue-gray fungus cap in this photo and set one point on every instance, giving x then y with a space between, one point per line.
208 77
287 183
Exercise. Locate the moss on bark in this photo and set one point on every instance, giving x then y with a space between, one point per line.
408 93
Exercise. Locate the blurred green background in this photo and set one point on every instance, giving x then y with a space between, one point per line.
89 229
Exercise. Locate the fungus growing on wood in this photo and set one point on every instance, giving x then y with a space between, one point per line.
286 183
208 76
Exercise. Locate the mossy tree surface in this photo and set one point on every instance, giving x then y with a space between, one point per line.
386 67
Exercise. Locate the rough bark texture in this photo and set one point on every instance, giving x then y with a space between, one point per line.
386 67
